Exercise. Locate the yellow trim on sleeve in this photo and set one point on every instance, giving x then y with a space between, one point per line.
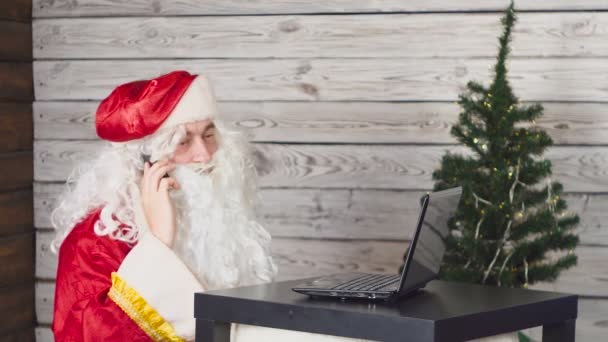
136 307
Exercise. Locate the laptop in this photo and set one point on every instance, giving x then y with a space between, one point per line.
423 258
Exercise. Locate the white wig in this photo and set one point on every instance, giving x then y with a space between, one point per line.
111 181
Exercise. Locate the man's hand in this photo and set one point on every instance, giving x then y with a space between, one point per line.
157 205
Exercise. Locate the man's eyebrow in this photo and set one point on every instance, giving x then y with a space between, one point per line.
211 125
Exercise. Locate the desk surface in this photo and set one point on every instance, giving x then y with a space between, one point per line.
442 311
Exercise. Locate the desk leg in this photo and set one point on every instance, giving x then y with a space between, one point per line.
559 332
211 331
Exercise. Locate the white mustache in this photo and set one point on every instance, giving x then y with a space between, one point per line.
198 168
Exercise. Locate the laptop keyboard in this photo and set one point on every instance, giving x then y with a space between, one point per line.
368 282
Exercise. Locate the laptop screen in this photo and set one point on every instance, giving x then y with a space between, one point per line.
430 246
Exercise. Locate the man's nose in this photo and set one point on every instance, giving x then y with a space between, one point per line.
202 153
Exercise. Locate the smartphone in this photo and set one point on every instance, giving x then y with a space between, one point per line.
146 158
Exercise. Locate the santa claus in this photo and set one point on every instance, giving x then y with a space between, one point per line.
137 239
164 211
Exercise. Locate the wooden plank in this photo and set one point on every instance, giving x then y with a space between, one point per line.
17 170
329 79
16 40
592 212
459 35
352 214
340 122
18 10
284 165
69 8
16 127
16 210
45 302
46 260
16 259
44 334
22 335
590 324
299 258
16 81
355 122
580 169
16 309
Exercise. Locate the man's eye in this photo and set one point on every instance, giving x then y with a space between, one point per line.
209 136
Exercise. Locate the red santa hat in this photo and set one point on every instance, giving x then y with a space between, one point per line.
138 109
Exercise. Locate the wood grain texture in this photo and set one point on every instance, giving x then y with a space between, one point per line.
352 214
587 278
21 335
17 170
16 259
16 210
16 127
16 40
300 258
339 122
16 81
403 35
44 334
16 309
69 8
345 166
331 79
16 10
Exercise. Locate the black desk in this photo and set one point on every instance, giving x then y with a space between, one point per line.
444 311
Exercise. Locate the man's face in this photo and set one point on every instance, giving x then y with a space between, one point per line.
198 146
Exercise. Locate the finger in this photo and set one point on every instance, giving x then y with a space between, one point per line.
162 187
165 183
159 163
143 182
154 166
157 174
145 179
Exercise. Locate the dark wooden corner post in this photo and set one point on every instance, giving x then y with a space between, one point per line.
17 314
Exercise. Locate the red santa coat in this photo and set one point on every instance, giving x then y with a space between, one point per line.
83 311
109 291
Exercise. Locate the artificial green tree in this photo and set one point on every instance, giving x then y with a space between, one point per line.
511 224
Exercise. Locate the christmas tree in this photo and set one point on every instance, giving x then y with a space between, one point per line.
511 228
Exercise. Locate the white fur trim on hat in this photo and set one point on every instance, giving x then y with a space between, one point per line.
197 103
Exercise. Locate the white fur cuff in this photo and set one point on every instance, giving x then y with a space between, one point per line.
164 281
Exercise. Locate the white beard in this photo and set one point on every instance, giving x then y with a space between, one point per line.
218 237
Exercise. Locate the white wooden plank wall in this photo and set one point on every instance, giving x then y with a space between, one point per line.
349 103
